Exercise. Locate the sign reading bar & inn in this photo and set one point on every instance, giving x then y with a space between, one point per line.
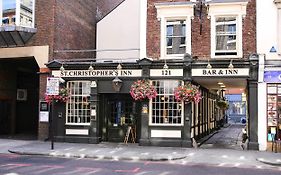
98 73
236 72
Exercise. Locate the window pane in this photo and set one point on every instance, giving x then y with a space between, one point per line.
226 42
78 106
9 12
226 34
175 37
165 109
26 13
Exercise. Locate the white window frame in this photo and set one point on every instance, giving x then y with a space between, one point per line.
87 110
166 12
231 9
173 36
166 124
227 34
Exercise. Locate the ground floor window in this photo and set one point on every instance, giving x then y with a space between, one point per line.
78 106
165 110
273 111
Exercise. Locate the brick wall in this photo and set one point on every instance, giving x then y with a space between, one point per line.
44 22
249 30
200 43
75 28
65 25
106 6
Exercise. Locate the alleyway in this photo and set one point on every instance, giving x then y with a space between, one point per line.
227 137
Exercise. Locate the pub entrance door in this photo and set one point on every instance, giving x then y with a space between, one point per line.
120 112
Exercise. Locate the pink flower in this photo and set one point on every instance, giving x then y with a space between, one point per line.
142 89
187 93
62 97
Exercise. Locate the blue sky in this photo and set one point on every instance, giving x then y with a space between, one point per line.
9 4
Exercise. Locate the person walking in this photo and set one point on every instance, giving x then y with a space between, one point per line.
244 138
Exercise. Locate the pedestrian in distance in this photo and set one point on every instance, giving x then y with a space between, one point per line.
244 138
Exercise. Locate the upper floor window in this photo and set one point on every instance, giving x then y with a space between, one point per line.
175 35
15 12
226 36
226 28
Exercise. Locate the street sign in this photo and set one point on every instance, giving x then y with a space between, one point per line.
52 86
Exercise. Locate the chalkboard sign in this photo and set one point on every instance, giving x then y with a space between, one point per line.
130 132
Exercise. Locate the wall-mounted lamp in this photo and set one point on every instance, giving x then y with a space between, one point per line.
165 66
119 67
93 84
230 66
209 66
117 84
91 67
62 68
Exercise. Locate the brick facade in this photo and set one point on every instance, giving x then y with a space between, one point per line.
201 44
105 7
44 22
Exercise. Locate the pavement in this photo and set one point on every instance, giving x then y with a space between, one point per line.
134 152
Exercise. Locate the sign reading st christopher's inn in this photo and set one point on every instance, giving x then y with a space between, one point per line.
236 72
98 73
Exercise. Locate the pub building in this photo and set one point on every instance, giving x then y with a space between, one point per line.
100 107
210 44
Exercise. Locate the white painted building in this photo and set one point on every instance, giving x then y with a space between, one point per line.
121 35
269 86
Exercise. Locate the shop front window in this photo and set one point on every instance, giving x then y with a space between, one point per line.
165 110
273 112
78 106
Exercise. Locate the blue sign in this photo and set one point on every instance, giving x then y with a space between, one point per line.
272 76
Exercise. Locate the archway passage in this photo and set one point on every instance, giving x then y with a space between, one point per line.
231 121
19 95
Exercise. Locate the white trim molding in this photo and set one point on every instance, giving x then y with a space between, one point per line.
166 133
227 9
76 132
278 4
174 11
143 26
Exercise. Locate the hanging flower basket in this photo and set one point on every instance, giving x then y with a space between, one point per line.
62 97
187 93
142 89
222 104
